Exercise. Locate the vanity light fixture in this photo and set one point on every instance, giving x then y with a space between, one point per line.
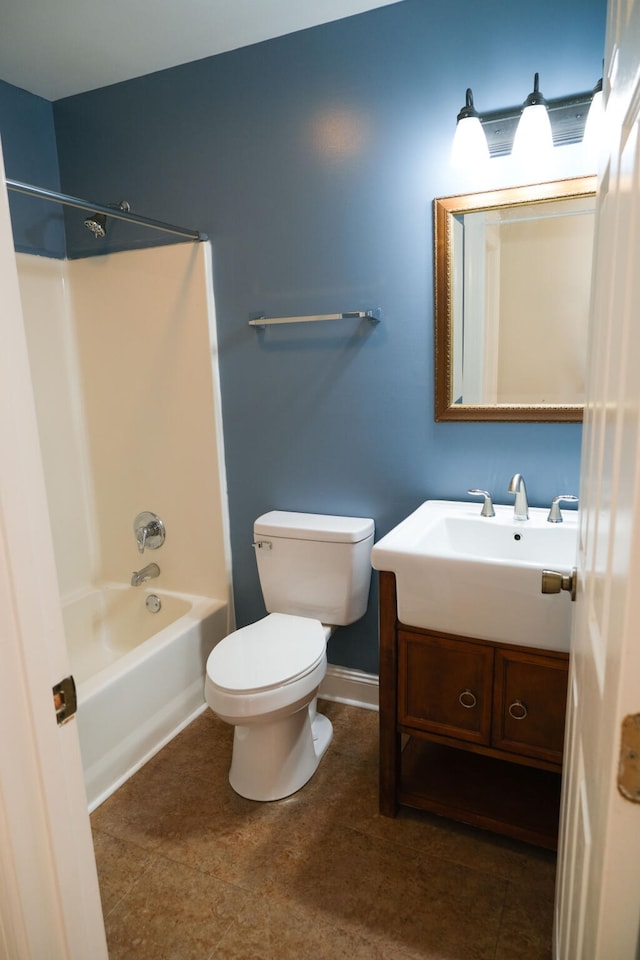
566 117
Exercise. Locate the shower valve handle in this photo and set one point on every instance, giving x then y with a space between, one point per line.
149 531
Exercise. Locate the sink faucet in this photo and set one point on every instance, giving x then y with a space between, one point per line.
521 506
147 573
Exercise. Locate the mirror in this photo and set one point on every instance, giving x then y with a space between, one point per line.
512 288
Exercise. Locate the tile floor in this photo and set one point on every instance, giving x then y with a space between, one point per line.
190 871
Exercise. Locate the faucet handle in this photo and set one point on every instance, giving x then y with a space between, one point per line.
555 516
149 531
487 506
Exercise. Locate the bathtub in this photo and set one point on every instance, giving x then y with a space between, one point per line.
139 675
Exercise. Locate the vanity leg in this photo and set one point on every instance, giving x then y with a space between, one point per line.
388 691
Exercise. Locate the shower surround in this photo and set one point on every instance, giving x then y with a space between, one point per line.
124 366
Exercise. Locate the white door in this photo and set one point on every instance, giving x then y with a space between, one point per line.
49 896
598 893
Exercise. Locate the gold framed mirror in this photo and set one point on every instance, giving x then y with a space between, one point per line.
512 287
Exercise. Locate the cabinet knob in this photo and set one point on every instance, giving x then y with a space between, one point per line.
467 699
517 710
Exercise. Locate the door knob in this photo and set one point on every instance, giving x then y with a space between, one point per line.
554 582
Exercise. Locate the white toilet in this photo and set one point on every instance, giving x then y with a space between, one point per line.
314 573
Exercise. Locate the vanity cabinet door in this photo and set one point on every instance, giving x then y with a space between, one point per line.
529 704
444 686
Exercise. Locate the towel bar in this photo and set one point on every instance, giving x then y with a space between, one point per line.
373 316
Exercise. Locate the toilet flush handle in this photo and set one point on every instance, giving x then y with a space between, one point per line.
264 545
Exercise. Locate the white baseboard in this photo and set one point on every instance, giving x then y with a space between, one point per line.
354 687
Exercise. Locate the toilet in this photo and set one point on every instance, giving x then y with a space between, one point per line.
314 574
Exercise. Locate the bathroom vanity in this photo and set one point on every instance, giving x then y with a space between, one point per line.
470 729
475 621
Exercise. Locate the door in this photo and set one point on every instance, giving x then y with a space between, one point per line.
49 896
598 891
529 704
444 686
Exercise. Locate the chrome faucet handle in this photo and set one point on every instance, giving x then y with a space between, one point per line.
555 515
487 506
149 531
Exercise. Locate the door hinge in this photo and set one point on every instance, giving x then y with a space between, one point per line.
629 766
65 701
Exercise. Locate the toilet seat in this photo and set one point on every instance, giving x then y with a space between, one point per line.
278 650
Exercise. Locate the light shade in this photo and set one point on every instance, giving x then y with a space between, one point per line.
594 127
470 148
533 142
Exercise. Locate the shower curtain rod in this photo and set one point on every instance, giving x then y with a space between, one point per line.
113 212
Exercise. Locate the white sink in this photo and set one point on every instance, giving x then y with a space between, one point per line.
461 573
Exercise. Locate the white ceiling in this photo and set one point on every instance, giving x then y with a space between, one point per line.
56 48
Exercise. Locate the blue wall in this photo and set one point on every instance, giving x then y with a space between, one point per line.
29 148
312 162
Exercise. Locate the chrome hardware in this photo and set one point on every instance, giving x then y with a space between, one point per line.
147 573
521 505
470 699
65 701
117 214
153 603
487 506
373 316
517 710
96 222
264 545
555 516
149 531
554 582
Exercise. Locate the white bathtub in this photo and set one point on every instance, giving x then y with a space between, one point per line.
139 675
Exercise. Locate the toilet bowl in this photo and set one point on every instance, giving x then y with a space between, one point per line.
264 678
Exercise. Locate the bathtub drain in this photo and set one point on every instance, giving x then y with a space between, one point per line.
153 603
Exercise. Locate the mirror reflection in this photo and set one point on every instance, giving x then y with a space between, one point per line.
513 277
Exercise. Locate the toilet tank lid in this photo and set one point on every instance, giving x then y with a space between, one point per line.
313 526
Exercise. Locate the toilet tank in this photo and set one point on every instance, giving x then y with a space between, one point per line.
312 565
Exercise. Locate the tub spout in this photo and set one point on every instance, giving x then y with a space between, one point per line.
147 573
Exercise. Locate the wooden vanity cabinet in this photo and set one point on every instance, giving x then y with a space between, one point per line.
470 729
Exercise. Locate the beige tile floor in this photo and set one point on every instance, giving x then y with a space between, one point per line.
190 871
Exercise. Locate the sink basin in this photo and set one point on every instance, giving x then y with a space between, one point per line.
458 572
